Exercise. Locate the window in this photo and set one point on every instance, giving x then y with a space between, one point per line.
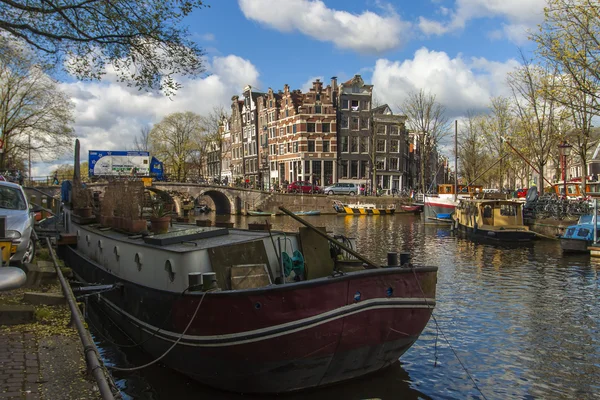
380 129
344 144
393 164
344 168
289 147
325 146
393 130
380 163
364 123
394 146
294 128
344 122
381 145
354 144
288 129
311 146
354 105
364 144
354 169
364 169
281 132
365 105
354 123
281 149
325 127
244 118
318 109
344 104
310 127
316 169
287 113
355 89
270 103
295 147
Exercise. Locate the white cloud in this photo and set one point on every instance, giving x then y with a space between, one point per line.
208 37
109 115
520 16
365 33
458 84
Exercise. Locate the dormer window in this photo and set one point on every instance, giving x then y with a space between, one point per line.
318 96
318 109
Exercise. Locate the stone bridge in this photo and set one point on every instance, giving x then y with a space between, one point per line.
226 200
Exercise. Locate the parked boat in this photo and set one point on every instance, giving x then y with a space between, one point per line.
493 220
411 209
578 237
363 208
312 212
260 213
444 201
238 310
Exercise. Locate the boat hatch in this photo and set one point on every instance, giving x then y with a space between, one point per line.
185 235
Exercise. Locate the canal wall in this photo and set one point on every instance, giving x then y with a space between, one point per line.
322 203
550 228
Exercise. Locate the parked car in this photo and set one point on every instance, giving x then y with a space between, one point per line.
20 221
303 187
342 188
522 193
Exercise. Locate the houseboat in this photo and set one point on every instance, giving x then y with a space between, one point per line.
442 204
494 220
577 238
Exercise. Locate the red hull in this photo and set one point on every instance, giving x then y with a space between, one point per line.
281 338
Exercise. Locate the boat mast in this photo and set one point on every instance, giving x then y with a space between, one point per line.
455 159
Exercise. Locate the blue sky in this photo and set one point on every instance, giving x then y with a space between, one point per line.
459 50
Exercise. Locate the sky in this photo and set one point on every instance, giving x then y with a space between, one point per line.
459 50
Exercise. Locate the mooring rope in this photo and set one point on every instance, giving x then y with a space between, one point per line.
170 348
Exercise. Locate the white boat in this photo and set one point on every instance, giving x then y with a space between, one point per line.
443 203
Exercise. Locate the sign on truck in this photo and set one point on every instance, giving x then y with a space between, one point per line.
121 163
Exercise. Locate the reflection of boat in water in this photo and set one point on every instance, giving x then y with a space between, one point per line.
443 202
312 212
227 308
410 209
363 208
577 238
493 220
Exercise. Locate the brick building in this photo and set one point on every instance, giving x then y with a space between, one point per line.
268 118
237 148
305 142
250 136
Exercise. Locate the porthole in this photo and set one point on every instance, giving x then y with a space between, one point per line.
170 271
138 261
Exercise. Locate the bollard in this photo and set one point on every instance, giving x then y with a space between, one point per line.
392 259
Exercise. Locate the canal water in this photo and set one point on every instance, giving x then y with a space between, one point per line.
510 322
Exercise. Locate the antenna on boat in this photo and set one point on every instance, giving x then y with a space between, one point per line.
455 159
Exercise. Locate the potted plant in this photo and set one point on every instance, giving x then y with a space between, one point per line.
135 223
160 217
82 201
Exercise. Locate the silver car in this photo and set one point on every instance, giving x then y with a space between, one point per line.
20 221
341 188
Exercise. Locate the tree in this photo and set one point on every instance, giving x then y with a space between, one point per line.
142 142
568 40
471 154
142 40
426 118
496 126
536 112
175 138
35 116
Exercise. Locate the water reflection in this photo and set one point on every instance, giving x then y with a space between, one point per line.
523 320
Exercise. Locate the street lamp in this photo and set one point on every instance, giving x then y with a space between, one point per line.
564 149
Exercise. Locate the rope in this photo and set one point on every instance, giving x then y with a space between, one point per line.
439 328
105 338
170 348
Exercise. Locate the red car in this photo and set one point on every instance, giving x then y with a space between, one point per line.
521 193
303 187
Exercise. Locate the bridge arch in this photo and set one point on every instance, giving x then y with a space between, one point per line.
223 203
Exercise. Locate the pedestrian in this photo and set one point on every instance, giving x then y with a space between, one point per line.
55 178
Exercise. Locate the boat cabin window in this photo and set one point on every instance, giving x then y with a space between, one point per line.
508 210
583 232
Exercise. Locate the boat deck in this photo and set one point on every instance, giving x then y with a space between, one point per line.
182 238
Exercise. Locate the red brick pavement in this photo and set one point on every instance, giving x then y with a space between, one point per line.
19 366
